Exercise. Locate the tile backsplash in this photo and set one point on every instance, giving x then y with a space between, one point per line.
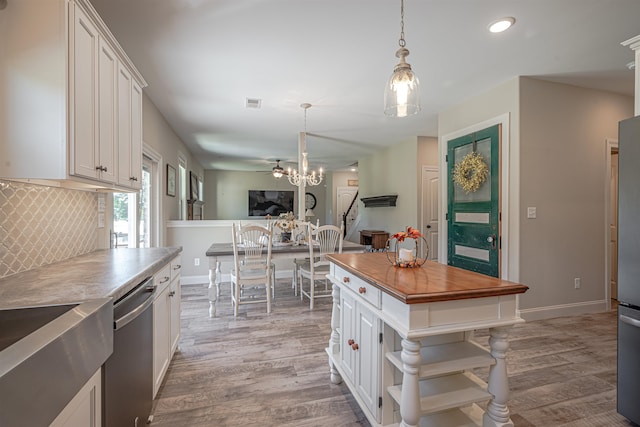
41 225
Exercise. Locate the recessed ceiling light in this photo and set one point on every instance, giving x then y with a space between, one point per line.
502 24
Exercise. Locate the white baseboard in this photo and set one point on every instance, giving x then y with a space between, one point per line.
574 309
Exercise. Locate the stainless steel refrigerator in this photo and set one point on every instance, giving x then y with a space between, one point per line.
629 269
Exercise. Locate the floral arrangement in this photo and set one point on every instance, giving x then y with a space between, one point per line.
405 257
286 222
471 172
411 233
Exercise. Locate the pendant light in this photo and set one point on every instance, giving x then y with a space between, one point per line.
402 94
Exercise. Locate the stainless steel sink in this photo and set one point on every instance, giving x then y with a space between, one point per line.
46 354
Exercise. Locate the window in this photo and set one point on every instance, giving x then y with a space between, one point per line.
135 215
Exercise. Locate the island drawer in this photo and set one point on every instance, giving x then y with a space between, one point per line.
367 291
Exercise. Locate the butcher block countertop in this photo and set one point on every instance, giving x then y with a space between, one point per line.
430 283
99 274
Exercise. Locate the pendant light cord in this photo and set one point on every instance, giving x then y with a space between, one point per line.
401 42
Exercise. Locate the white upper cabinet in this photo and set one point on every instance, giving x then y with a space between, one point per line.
73 110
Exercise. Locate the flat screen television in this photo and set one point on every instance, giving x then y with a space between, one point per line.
270 202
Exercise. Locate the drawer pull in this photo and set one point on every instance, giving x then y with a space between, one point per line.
354 346
165 279
177 267
350 342
346 280
362 290
172 293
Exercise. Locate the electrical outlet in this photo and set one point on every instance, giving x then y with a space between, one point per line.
196 261
576 283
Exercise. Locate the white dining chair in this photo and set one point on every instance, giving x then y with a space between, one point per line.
252 265
323 240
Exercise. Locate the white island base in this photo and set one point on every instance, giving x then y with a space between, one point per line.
411 364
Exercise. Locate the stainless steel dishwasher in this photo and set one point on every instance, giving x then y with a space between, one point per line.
128 373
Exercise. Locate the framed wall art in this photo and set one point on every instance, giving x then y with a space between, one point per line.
171 181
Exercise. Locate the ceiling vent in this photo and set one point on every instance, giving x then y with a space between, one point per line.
253 103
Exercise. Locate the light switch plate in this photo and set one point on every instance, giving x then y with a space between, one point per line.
531 212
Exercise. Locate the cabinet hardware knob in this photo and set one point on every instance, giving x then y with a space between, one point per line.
354 346
346 280
351 342
172 293
362 290
104 169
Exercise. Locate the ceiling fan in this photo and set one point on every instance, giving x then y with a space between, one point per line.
278 171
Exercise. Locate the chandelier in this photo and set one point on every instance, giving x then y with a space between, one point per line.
303 177
402 94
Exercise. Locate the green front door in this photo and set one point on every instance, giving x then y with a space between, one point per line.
473 166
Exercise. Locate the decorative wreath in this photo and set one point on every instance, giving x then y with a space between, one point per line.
471 172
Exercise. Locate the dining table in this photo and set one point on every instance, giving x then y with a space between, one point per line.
223 252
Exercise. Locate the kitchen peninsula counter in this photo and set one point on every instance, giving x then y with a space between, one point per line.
402 341
99 274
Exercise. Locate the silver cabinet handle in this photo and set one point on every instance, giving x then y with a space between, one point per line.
630 321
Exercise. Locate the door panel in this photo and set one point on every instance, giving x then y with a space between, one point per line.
430 217
473 213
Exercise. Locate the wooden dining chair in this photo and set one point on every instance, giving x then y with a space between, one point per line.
252 265
323 240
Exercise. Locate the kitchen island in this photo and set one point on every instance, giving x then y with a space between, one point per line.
402 341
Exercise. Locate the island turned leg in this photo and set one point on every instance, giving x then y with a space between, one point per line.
410 400
334 341
214 287
497 413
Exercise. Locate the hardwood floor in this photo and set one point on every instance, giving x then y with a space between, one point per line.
268 370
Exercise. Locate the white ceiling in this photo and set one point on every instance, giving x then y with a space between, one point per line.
204 58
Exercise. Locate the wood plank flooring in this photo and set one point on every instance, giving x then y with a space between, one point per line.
271 370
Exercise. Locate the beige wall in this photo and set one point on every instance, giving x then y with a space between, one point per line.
158 134
390 171
555 161
226 193
498 105
562 174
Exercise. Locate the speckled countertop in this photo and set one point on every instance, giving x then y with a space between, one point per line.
99 274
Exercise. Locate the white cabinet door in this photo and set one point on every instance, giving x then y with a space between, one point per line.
368 339
348 335
161 339
124 126
136 135
85 409
174 327
83 92
129 130
107 112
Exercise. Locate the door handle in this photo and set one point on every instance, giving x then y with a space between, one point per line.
492 239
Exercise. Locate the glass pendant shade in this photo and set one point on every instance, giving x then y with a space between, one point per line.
402 94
